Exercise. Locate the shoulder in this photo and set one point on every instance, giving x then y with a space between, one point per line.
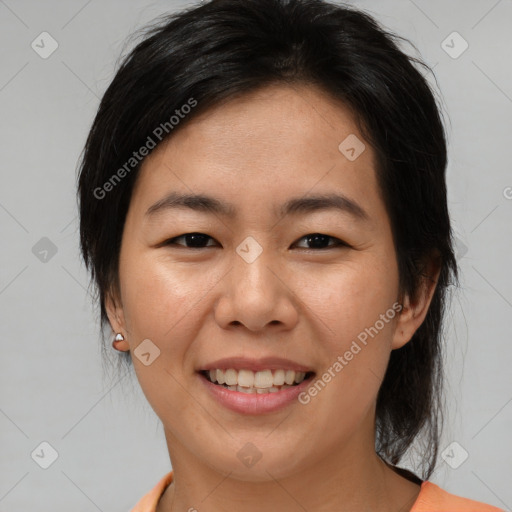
434 499
430 499
149 501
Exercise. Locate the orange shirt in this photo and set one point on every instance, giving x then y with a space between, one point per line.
430 499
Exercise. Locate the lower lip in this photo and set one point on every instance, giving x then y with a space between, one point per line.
255 403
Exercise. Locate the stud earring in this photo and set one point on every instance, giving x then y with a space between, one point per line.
119 337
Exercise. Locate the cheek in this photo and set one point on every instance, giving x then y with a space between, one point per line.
355 348
157 295
160 303
349 298
353 309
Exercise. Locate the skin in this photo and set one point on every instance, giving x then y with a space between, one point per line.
296 301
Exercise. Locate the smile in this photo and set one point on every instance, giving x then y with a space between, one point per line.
253 393
247 381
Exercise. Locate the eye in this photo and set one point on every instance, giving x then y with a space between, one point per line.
198 240
318 240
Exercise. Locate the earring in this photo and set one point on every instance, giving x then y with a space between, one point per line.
119 337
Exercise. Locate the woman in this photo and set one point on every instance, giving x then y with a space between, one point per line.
263 211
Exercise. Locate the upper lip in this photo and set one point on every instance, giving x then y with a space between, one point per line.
256 365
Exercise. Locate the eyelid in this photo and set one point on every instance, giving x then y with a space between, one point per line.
171 241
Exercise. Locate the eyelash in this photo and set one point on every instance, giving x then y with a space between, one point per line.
340 243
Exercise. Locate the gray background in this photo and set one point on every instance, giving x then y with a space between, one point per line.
110 444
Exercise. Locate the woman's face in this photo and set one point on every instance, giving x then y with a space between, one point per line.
255 286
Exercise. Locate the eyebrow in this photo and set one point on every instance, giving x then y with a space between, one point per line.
297 205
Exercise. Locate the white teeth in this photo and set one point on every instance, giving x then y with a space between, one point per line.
270 390
260 382
246 378
231 377
262 379
246 390
278 377
299 377
289 377
220 377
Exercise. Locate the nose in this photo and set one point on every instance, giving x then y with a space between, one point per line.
257 292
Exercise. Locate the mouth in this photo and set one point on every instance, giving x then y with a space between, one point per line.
256 382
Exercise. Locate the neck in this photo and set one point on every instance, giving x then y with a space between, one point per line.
344 480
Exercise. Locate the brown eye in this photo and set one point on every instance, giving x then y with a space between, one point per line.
320 241
193 240
316 241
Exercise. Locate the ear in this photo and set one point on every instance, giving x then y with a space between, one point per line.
116 318
415 309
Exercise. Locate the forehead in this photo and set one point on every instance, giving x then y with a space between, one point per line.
274 143
268 124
